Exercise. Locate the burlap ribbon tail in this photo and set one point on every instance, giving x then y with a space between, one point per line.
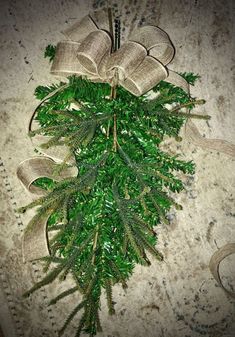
215 261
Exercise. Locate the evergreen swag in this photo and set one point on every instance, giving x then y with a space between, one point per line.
104 218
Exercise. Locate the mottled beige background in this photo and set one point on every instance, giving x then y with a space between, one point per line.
176 298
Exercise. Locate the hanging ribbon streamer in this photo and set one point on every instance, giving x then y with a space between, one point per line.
223 146
35 243
214 264
141 64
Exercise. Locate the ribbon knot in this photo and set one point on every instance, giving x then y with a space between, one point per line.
141 61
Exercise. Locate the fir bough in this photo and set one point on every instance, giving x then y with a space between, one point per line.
105 217
50 52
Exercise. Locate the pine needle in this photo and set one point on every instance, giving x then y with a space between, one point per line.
63 295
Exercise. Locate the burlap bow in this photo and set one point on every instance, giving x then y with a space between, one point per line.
141 61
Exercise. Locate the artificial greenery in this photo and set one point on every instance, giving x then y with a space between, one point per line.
104 219
50 52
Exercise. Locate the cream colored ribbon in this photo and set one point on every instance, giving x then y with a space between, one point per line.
35 243
191 131
141 64
141 61
215 260
34 168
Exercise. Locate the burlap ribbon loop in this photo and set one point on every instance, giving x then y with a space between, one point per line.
35 243
156 41
92 49
137 83
65 61
126 59
80 29
34 168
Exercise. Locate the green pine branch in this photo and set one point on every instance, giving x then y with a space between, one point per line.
63 295
50 52
104 218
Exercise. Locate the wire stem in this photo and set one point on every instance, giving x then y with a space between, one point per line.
110 16
198 102
95 245
115 133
